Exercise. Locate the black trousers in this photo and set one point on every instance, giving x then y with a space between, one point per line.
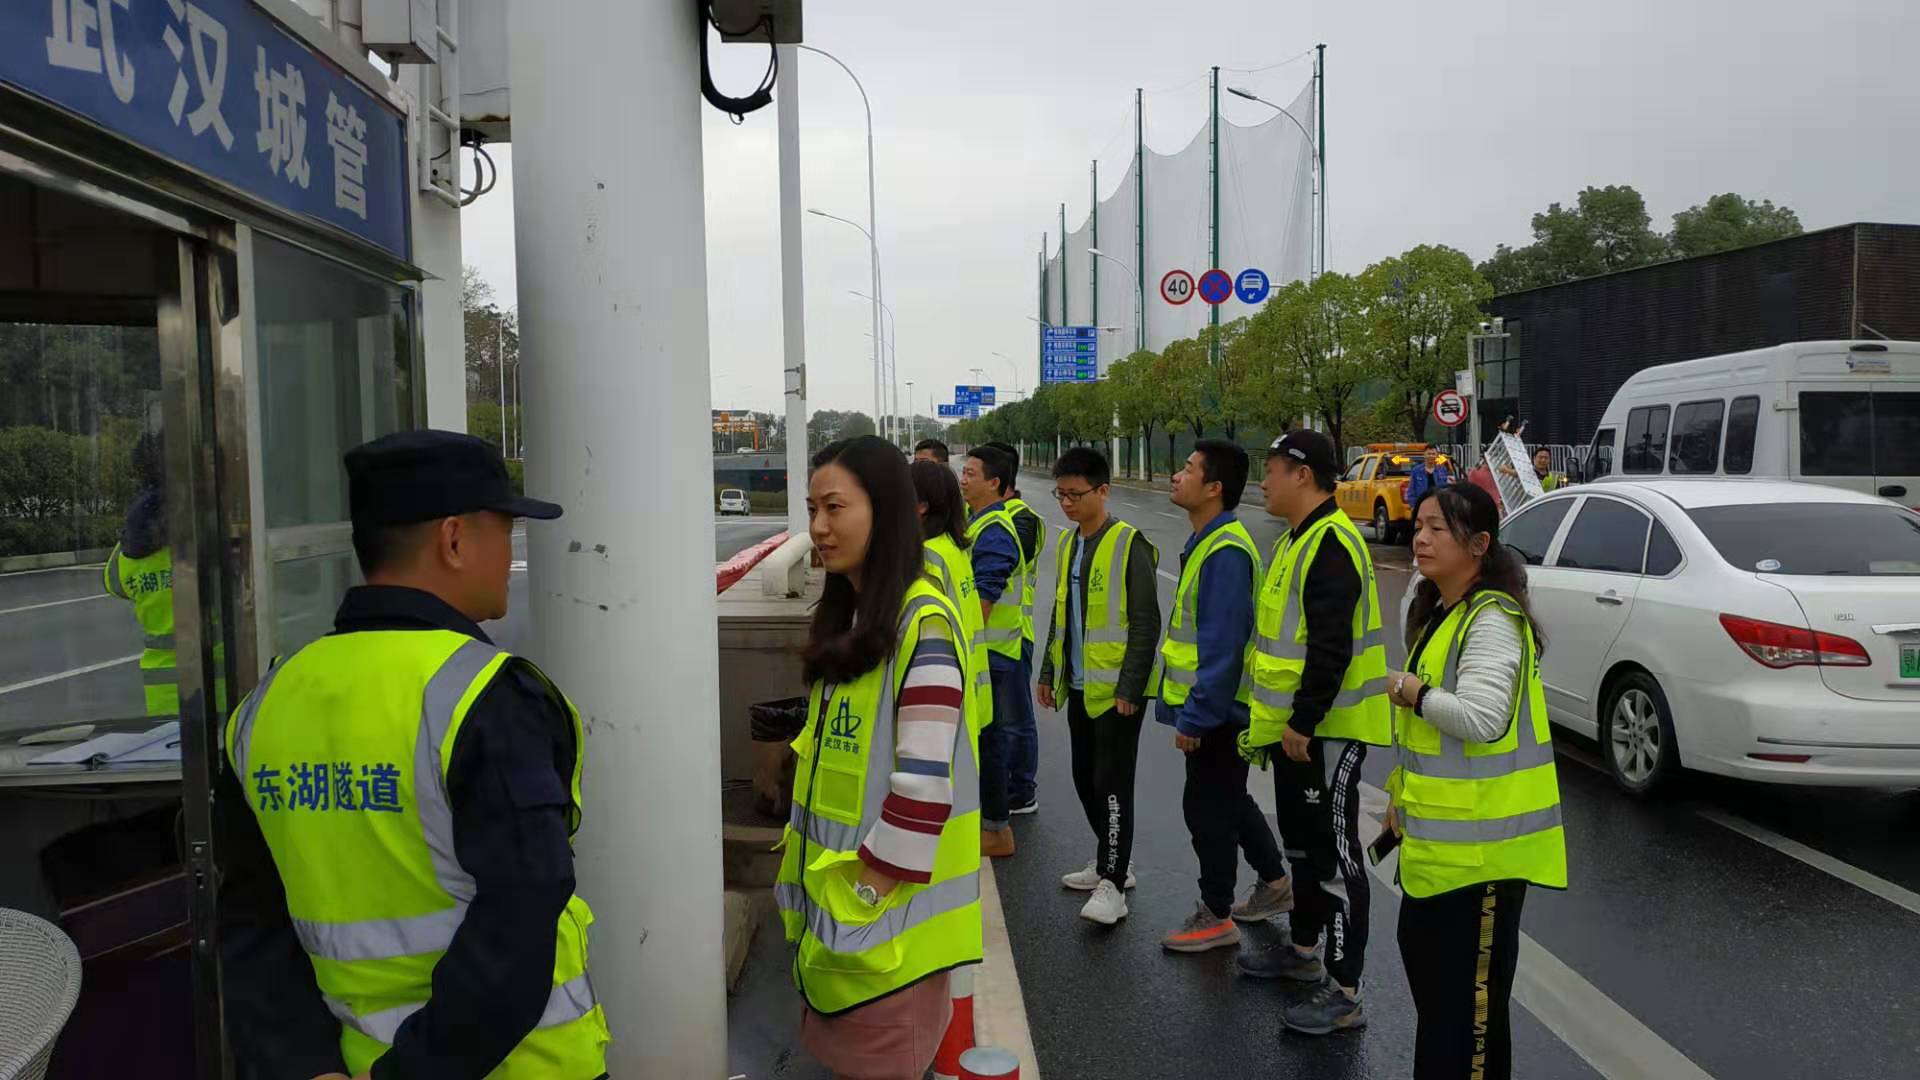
1460 949
1224 821
1105 751
1317 806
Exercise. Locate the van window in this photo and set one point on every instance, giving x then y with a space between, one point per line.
1696 437
1896 433
1600 462
1645 449
1743 421
1836 433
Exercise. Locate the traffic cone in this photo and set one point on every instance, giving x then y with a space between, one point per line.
959 1037
989 1063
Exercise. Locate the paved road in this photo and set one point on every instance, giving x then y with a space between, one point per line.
1681 940
69 652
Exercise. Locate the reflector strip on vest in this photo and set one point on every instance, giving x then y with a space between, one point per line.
157 676
163 642
568 1002
928 904
380 939
1283 699
1483 830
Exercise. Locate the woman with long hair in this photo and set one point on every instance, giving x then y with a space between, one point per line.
1475 798
879 878
943 529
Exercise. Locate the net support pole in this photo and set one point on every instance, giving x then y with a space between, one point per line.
1063 265
1093 264
1213 219
1140 213
1320 144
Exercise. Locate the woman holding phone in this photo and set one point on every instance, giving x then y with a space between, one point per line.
879 878
1475 799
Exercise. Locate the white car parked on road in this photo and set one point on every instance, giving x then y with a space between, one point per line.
734 501
1759 629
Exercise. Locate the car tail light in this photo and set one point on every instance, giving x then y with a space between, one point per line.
1404 485
1779 646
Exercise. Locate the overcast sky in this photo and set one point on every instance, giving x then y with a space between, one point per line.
1446 123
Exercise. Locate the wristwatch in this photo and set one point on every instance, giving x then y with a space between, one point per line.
868 895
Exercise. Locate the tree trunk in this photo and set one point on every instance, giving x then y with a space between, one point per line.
1146 436
1170 438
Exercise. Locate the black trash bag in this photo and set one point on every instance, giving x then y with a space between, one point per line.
778 721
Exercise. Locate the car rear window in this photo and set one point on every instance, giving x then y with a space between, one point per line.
1840 539
1397 465
733 493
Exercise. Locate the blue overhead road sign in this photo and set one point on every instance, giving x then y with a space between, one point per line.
1252 286
1070 354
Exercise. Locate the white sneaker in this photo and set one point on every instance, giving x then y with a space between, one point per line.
1088 878
1106 906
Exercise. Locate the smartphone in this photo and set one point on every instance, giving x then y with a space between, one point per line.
1382 846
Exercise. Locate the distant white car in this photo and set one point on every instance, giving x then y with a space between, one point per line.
1766 630
734 501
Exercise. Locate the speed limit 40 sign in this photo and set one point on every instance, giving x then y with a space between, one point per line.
1449 408
1176 287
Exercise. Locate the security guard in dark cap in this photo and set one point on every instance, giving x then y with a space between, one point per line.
397 898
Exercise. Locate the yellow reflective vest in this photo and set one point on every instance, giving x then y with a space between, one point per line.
1477 812
1103 595
1018 509
952 571
343 750
1007 624
1180 649
147 582
1361 711
850 952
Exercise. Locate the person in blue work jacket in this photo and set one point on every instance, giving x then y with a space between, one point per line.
1022 731
998 571
1205 692
1430 475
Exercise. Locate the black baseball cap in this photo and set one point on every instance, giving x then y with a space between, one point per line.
1304 446
415 476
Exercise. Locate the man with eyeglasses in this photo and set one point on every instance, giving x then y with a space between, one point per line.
1098 660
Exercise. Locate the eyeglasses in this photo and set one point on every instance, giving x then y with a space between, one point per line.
1071 497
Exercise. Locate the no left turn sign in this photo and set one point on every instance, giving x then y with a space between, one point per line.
1176 287
1449 408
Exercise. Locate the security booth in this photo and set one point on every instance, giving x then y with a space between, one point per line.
207 295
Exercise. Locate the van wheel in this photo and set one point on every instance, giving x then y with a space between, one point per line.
1382 528
1636 735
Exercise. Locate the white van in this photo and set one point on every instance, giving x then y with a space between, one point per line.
1842 413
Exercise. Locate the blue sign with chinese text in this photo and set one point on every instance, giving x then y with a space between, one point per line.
220 87
953 411
974 396
1069 354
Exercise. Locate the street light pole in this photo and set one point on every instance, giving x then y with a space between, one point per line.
1313 145
910 428
873 229
879 415
892 370
1139 321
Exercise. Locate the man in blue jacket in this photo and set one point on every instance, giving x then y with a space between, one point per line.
1205 692
1429 475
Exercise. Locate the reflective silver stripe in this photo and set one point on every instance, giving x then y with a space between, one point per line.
1279 699
1281 648
1183 635
437 706
1347 699
568 1002
1179 677
923 906
1461 766
1106 637
996 634
1483 830
823 832
380 939
158 676
1101 675
243 722
163 642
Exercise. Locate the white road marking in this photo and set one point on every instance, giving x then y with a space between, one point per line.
1593 1025
1819 860
94 566
1170 576
519 566
54 603
1172 514
44 679
1000 1010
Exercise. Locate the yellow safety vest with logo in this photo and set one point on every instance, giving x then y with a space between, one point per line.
1007 624
1476 812
1361 711
1180 651
850 952
343 751
147 581
1017 508
952 571
1103 644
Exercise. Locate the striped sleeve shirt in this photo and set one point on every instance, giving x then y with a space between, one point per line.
927 729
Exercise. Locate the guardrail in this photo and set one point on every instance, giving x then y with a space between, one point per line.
727 574
784 574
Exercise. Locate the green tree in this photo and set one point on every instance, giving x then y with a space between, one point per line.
1607 229
1136 393
1241 376
1727 222
1420 307
1322 349
826 425
1184 378
1085 411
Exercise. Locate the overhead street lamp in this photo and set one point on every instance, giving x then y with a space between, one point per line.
1015 368
874 250
1139 317
873 229
1312 144
912 435
891 374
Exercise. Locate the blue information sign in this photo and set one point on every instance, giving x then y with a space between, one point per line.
1252 286
954 411
975 396
1069 354
222 88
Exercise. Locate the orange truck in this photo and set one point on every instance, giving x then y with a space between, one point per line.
1374 489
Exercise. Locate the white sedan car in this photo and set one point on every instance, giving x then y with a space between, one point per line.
734 501
1757 629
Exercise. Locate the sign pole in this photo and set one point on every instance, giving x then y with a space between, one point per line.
793 309
1213 226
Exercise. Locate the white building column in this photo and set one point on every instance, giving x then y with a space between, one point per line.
793 309
610 233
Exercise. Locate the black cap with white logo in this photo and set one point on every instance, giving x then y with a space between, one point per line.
1303 446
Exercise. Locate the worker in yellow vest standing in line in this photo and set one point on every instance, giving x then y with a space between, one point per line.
1023 733
943 529
397 818
879 883
1319 701
140 571
997 574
